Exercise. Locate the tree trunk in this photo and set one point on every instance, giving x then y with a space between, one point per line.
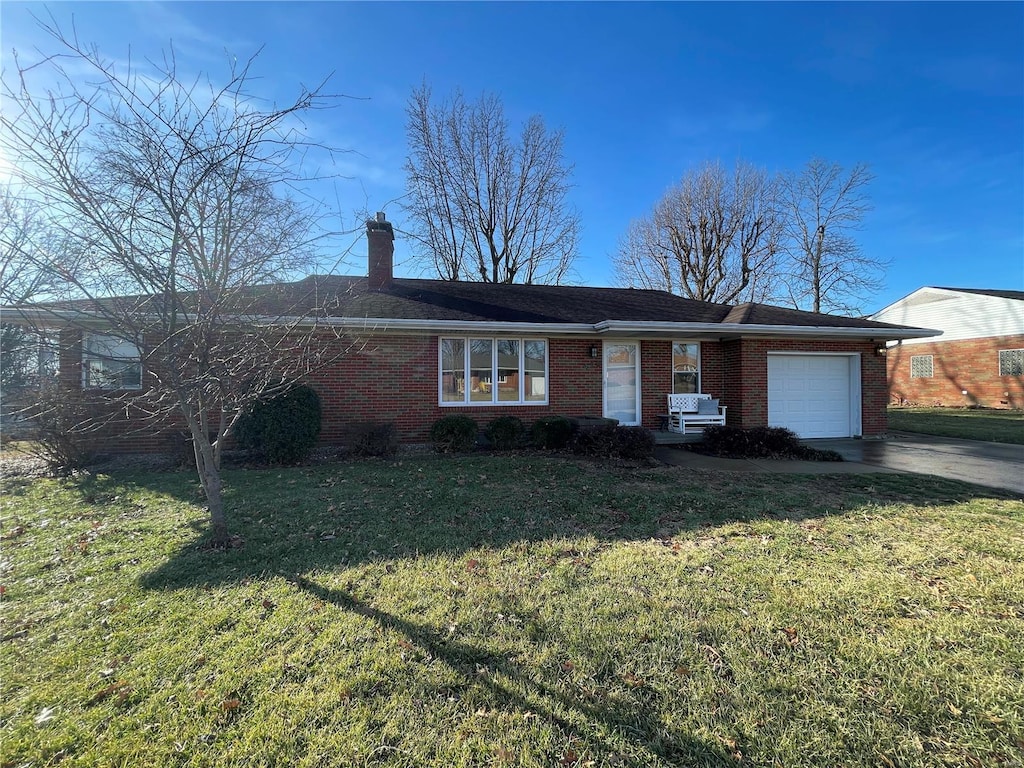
209 477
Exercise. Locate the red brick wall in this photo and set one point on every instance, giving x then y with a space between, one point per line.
116 425
747 394
967 364
394 379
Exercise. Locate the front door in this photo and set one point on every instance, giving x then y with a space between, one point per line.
622 381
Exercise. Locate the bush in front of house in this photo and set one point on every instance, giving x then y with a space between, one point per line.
63 420
760 443
551 433
283 429
614 442
505 432
372 438
454 434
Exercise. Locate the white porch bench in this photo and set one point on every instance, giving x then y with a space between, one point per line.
686 414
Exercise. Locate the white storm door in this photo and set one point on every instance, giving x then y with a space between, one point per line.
622 382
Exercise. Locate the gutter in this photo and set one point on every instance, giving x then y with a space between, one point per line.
610 328
748 330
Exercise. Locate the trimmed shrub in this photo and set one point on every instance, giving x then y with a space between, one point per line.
283 429
760 443
454 434
551 433
373 439
506 432
614 442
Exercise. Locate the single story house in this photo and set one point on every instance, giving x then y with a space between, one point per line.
428 348
978 360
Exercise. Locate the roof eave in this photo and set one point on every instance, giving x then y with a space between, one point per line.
766 331
57 318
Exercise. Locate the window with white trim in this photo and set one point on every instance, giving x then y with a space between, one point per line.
1011 362
109 362
685 367
493 371
921 367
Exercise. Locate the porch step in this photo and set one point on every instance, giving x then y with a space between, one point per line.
664 437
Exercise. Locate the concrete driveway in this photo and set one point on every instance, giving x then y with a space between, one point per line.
996 465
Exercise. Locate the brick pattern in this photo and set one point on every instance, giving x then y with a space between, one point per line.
747 394
966 364
392 378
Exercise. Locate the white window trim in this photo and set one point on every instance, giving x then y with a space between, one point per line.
467 402
672 364
999 360
86 355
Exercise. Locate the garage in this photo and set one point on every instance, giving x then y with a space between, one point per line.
815 395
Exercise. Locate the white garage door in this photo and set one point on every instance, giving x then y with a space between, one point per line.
811 394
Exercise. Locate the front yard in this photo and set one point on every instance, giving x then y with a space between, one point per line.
968 423
520 611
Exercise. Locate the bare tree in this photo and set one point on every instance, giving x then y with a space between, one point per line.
715 236
24 234
179 204
484 206
825 205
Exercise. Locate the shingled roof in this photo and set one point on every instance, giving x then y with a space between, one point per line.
405 302
997 292
410 299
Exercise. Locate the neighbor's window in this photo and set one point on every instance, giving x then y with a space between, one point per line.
921 366
497 370
685 367
109 362
1011 362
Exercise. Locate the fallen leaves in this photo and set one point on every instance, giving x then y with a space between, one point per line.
792 638
121 689
13 533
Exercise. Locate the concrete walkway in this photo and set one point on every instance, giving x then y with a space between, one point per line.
996 465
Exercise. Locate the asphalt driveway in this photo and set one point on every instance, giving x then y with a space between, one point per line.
996 465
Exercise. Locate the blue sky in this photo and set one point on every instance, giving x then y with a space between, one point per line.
931 95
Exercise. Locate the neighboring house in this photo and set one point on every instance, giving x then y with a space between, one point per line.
429 348
978 360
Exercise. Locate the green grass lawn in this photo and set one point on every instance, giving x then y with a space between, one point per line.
513 611
970 424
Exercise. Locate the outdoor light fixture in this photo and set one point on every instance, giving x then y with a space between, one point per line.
880 350
593 350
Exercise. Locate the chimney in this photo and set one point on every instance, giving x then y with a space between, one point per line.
380 238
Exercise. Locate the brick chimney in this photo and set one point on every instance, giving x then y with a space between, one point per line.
380 238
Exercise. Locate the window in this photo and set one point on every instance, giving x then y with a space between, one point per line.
493 371
685 367
1011 362
110 363
921 366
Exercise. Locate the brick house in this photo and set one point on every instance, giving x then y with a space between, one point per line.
428 348
978 360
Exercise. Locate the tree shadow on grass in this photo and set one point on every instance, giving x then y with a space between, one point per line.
532 693
337 517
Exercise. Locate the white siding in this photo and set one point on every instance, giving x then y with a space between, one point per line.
958 315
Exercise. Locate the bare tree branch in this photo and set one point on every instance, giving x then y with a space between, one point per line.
712 237
485 207
178 203
825 207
